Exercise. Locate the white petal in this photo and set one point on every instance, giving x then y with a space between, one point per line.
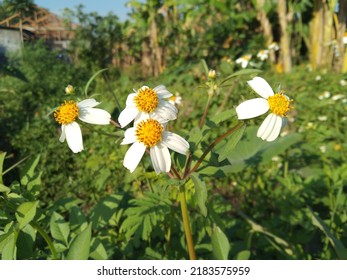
127 115
129 136
270 128
252 108
94 116
162 92
130 99
91 102
74 137
133 156
62 135
244 63
161 159
165 110
140 117
260 86
175 142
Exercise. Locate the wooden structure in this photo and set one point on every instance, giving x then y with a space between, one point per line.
42 25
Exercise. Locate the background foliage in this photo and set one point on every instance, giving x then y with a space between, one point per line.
248 200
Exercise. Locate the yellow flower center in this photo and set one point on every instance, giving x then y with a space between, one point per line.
279 104
67 112
146 100
149 132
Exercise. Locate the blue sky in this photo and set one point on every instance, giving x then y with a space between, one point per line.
117 7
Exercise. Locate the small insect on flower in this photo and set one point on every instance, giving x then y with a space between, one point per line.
150 135
273 46
147 102
277 103
67 114
244 60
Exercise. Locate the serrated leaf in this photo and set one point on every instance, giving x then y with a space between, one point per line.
339 248
78 221
26 212
9 249
59 228
3 188
220 244
80 246
28 171
97 251
252 150
225 151
200 193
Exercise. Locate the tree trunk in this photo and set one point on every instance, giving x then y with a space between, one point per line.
267 28
285 36
341 64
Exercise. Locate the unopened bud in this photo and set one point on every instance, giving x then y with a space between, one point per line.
69 89
212 74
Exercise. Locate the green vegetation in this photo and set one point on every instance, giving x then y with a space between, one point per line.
248 199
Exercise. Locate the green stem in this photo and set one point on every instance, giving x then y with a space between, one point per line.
46 238
212 145
186 224
203 118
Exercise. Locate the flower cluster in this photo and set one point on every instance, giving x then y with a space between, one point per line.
150 109
262 55
150 112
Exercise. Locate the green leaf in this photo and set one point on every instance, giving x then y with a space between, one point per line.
220 244
252 150
3 188
80 246
200 193
223 116
2 158
59 228
28 171
339 248
241 72
26 212
98 251
25 242
231 142
9 249
243 255
78 221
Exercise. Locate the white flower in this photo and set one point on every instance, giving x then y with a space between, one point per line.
176 99
318 78
244 60
150 134
273 46
145 103
343 82
323 148
263 55
277 103
324 95
69 111
322 118
337 97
